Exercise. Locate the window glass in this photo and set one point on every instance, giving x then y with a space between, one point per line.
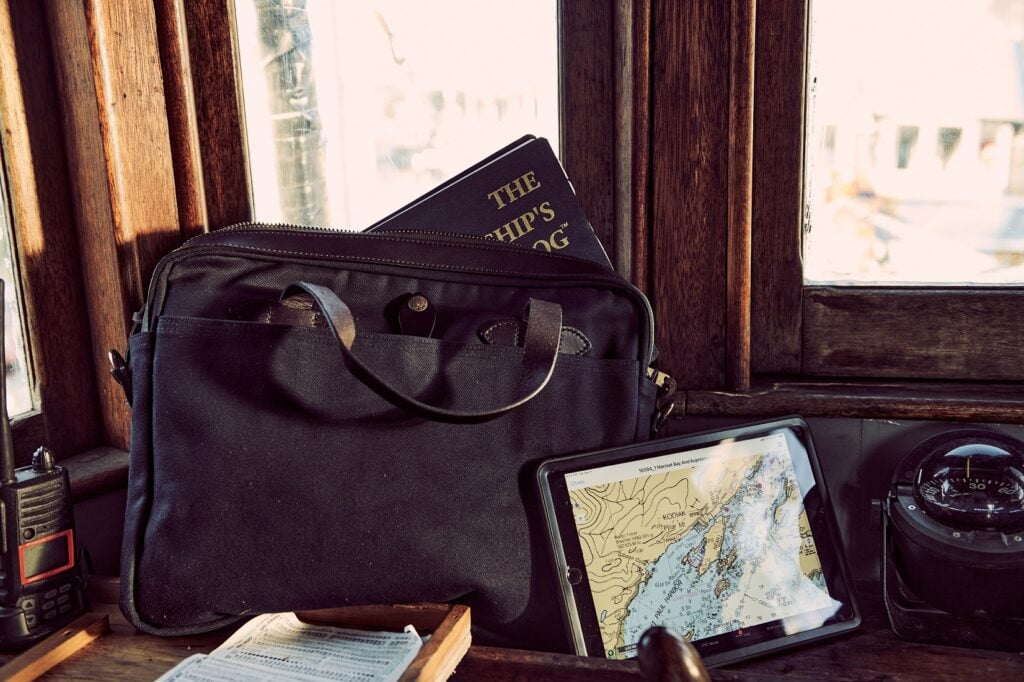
915 145
355 108
19 393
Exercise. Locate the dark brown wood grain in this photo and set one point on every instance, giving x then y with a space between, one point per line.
690 122
982 403
217 88
914 333
501 665
741 153
776 270
872 653
96 471
632 146
587 101
181 116
115 122
28 431
875 653
46 244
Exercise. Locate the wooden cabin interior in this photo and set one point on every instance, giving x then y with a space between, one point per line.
683 128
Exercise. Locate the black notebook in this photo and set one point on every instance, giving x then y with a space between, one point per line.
518 195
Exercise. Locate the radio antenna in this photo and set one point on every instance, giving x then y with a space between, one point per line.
7 476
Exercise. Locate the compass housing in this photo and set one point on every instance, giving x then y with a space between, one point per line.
977 485
956 523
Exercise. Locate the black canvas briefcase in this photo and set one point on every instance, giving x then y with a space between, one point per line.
324 419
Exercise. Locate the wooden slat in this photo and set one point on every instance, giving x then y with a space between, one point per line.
448 643
994 403
587 101
96 471
426 617
217 87
46 244
123 178
914 333
632 145
181 117
29 432
871 653
448 625
741 153
62 644
776 269
501 665
690 73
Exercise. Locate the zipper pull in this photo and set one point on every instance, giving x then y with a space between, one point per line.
665 403
122 374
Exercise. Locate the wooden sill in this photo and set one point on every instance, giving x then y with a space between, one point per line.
96 471
995 403
92 472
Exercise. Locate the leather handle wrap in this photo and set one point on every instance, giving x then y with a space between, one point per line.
540 353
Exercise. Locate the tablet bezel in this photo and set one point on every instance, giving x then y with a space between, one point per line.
579 615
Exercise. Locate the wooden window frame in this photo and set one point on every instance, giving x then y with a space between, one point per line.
894 332
597 90
667 116
738 327
92 202
45 243
124 136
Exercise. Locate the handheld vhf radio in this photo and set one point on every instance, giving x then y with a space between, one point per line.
41 588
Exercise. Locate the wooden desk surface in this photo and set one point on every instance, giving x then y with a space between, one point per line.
873 653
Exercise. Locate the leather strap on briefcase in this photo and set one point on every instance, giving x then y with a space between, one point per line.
540 351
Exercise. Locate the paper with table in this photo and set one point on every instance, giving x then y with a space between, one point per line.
281 647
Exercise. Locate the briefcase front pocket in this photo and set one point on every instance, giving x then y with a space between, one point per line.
280 481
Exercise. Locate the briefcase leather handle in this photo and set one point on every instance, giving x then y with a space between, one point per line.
540 353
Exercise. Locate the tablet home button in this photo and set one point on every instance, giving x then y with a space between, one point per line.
574 575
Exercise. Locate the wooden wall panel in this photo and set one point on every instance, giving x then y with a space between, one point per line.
123 179
217 87
633 140
914 333
690 120
741 149
963 402
181 117
776 268
587 98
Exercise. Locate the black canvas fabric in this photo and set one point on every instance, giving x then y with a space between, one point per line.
266 476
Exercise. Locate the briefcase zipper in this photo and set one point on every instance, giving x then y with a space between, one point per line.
156 298
457 236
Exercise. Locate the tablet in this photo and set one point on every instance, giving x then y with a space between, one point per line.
726 536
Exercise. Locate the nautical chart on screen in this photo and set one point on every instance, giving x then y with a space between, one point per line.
709 541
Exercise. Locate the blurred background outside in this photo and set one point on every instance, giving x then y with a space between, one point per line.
19 394
914 166
353 109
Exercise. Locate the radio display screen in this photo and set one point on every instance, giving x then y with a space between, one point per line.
46 556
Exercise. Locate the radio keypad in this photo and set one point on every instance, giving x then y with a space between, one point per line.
28 605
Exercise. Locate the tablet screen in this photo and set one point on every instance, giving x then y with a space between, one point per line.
715 539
